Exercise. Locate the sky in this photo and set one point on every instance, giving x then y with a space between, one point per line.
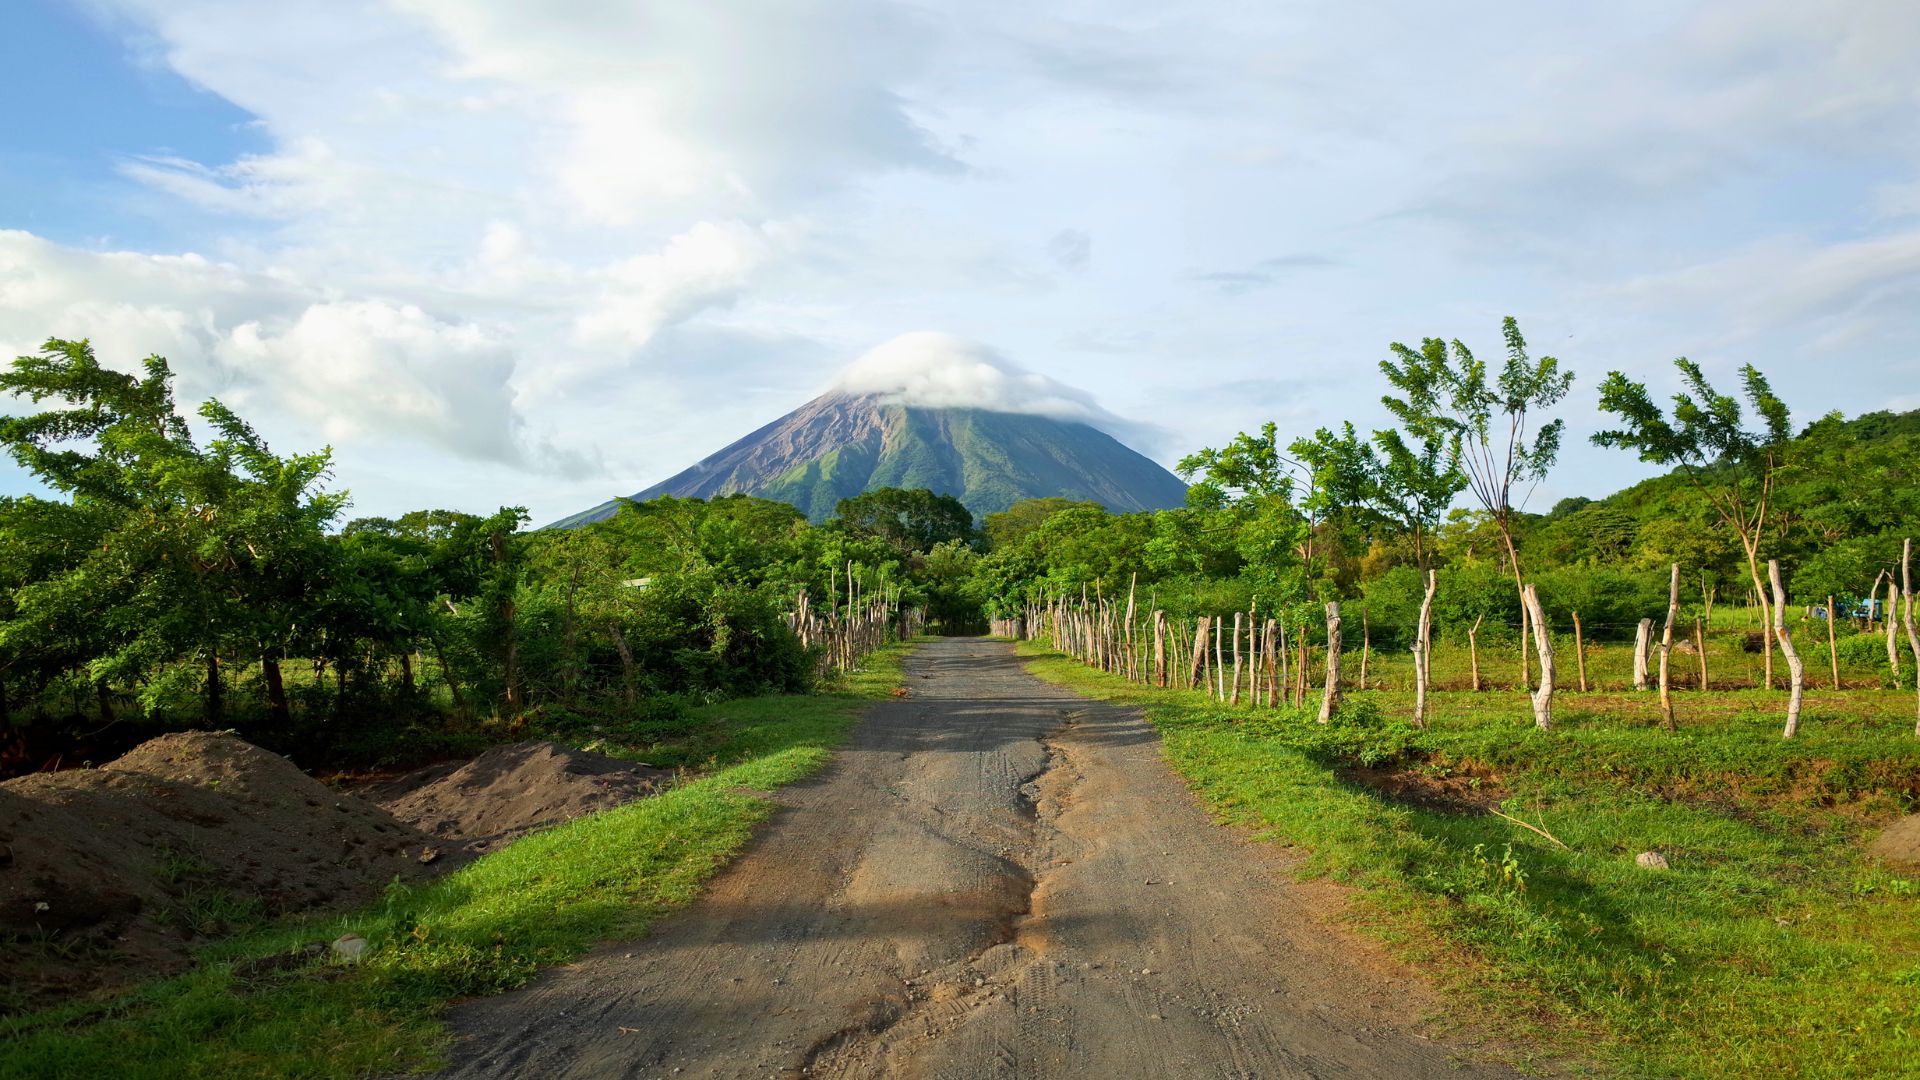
498 253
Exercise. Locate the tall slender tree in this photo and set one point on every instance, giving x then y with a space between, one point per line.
1736 471
1448 397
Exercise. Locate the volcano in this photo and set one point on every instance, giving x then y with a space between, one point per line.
841 444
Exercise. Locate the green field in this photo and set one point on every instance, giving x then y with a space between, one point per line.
1772 947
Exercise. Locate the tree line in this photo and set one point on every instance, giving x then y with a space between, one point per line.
1422 528
188 574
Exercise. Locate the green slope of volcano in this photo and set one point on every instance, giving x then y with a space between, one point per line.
839 445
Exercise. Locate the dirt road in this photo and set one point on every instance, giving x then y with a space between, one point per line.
997 878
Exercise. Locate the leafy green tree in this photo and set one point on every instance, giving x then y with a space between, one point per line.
913 520
1009 526
203 552
1733 469
1248 486
1446 397
1385 478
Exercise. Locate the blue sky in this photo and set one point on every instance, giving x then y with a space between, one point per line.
495 252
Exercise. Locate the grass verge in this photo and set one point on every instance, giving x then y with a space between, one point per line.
1773 947
256 1006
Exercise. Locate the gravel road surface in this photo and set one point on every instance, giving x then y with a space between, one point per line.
996 878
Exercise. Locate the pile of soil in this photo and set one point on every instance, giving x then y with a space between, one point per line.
112 874
511 790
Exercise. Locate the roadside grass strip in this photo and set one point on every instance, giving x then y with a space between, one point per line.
1773 946
256 1006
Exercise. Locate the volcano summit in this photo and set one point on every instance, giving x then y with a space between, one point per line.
928 410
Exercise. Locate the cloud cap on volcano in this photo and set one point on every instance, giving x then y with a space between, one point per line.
934 370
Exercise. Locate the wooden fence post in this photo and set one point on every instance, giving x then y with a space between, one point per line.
1473 645
1642 641
1666 648
1235 700
1700 647
1833 646
1330 698
1580 651
1542 641
1423 652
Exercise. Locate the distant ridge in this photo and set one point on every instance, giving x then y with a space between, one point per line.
842 444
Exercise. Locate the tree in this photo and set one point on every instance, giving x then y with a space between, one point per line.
1445 396
913 520
1387 478
1252 483
1007 527
198 552
1733 469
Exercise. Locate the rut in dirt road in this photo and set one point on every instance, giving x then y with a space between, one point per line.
996 878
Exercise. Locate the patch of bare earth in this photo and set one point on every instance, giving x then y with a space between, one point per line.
510 791
115 874
112 874
1461 790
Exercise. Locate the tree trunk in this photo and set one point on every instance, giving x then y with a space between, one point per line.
103 700
1330 697
1666 648
446 673
1580 651
1796 671
216 694
1543 642
1642 643
626 661
277 711
1833 646
406 671
1423 652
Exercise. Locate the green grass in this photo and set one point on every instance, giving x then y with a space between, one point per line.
1773 947
254 1006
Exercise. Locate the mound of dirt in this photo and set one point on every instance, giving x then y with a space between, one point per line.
1900 842
511 790
111 874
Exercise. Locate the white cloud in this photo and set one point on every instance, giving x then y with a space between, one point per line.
940 371
705 266
340 369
